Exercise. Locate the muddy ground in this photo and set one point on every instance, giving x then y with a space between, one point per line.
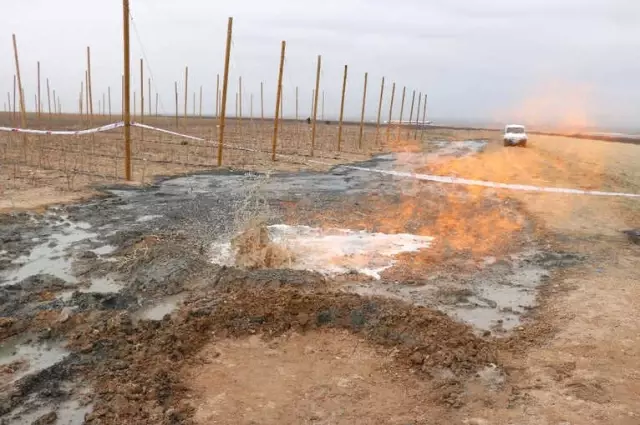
118 310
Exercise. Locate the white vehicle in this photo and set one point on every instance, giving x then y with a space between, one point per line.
514 135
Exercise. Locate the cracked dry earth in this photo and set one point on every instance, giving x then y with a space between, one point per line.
521 309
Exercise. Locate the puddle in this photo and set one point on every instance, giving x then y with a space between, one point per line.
36 356
100 285
493 301
68 412
51 256
157 311
145 218
104 249
334 251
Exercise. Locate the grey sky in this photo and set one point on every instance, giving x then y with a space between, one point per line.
536 61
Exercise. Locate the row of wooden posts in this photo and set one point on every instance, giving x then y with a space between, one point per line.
85 102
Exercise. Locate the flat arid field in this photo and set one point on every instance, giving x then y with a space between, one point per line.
331 292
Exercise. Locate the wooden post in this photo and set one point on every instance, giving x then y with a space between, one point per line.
262 100
217 96
186 90
15 99
322 107
224 89
200 102
240 97
82 95
89 86
344 89
38 102
297 116
49 99
56 110
86 94
424 117
413 102
127 88
141 99
379 110
364 102
109 98
23 112
122 96
104 104
415 134
393 95
251 108
315 105
278 99
177 111
404 92
9 108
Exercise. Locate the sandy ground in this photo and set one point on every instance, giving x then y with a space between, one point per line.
587 371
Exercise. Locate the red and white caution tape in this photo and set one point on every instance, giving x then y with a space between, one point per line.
64 132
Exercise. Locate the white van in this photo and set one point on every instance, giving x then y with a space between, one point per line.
514 135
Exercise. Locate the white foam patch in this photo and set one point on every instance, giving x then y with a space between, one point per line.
334 251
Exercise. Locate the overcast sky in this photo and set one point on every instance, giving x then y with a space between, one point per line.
565 62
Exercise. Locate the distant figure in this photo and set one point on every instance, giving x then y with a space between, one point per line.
308 120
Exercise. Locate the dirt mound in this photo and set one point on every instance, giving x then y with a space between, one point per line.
136 370
254 249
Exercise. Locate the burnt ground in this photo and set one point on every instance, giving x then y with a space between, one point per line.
103 304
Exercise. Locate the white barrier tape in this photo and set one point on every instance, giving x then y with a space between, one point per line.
468 182
427 177
64 132
161 130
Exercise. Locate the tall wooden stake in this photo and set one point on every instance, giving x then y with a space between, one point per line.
278 99
177 111
364 102
404 92
424 118
186 90
315 106
127 88
81 100
262 100
86 95
109 98
49 99
379 110
89 86
15 99
415 134
240 97
217 96
225 83
9 108
297 116
56 110
39 102
322 108
393 95
141 99
344 90
23 112
413 102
